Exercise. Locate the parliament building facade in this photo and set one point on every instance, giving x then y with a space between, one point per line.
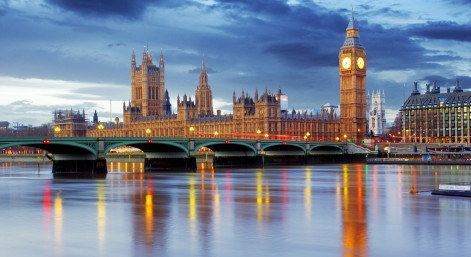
149 112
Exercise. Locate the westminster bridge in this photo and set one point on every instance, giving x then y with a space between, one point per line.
87 154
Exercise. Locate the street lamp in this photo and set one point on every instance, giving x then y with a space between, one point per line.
337 139
259 132
148 132
345 137
266 136
216 133
191 130
306 137
57 129
101 127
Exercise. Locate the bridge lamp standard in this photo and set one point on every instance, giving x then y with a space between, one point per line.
192 129
259 132
148 132
266 136
306 137
101 127
216 133
337 139
57 129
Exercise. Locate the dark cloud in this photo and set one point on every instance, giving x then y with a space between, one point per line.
461 2
389 11
304 55
394 49
443 30
443 82
277 7
131 9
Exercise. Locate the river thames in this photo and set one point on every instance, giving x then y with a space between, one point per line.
320 210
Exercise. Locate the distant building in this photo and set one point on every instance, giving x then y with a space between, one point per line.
376 113
435 116
69 123
4 124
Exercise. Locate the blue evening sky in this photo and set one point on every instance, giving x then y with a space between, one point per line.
59 54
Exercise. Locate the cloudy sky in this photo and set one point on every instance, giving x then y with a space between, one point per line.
58 54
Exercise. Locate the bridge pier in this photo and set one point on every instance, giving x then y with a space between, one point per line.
238 161
79 167
159 164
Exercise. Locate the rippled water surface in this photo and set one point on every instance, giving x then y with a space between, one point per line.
325 210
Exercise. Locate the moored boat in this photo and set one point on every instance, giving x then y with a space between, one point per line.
453 189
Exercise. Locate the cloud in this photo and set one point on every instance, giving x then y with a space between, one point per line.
443 30
388 11
443 82
39 98
197 70
115 44
304 55
132 9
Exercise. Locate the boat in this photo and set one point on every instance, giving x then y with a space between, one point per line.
453 189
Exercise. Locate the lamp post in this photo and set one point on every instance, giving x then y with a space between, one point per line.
192 129
100 128
148 132
216 133
345 137
57 129
306 137
266 136
337 139
258 132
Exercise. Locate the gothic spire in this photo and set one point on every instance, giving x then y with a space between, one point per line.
351 24
202 65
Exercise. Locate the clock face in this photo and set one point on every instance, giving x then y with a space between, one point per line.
360 62
346 63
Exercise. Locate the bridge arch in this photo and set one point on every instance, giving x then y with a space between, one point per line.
154 146
280 148
221 147
55 147
327 149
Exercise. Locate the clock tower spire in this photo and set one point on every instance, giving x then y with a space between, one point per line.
352 72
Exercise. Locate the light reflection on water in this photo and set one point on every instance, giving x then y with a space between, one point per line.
328 210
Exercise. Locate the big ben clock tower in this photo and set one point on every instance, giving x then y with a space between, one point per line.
352 71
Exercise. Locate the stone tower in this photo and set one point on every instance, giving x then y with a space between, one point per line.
377 114
352 71
204 96
147 85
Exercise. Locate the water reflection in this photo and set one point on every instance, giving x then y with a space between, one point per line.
58 220
307 193
101 214
354 228
337 210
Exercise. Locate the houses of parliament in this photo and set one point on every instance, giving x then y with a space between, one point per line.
149 112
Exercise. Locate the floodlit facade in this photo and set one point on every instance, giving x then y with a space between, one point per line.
436 117
263 115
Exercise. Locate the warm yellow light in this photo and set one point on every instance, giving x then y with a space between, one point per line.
148 131
259 131
57 129
100 127
266 135
337 138
192 129
308 134
216 133
305 137
345 136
